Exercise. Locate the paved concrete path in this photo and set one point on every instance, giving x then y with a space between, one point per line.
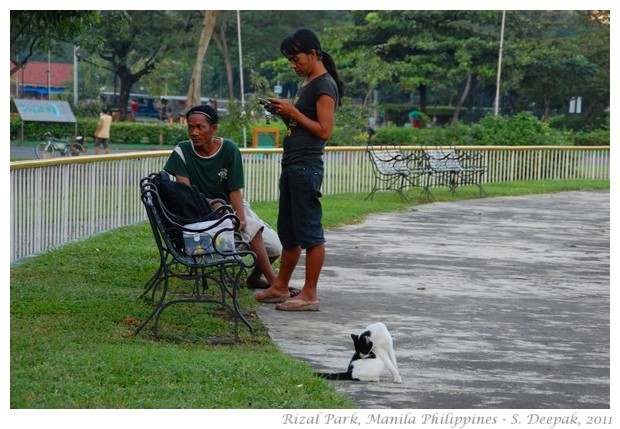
492 303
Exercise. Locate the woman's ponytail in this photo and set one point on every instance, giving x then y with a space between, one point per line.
330 65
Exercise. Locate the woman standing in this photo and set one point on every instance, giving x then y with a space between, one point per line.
310 121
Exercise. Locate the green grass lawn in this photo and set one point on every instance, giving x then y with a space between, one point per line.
72 318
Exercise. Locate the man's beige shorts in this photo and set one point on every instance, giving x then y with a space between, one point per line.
253 224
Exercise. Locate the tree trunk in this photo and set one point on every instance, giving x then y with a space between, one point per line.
546 101
422 90
126 80
459 105
368 96
589 114
193 95
222 45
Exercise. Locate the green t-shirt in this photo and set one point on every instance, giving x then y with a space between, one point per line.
217 174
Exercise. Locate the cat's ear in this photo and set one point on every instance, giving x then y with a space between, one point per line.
355 337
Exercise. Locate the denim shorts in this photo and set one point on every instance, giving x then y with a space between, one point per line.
300 212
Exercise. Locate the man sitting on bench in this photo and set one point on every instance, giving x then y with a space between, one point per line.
214 165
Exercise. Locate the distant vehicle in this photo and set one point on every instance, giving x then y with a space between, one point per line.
146 103
177 105
160 108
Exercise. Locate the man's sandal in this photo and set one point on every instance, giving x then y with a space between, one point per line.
259 297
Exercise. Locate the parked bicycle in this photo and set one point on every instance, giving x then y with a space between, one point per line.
53 146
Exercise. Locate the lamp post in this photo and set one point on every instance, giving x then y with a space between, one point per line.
245 144
76 50
49 72
499 63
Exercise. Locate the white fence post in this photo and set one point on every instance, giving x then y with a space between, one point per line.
61 200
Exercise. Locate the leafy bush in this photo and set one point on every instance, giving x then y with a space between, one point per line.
121 132
578 122
399 113
520 130
567 122
523 129
599 137
396 135
449 136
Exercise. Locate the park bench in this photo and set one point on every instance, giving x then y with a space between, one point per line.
193 271
450 168
395 171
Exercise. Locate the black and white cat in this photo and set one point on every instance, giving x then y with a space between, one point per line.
374 353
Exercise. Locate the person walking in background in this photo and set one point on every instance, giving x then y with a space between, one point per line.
310 121
102 133
415 119
135 106
370 132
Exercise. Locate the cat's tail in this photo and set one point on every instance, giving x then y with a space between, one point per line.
334 375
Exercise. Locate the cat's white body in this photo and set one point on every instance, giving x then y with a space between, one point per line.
369 369
374 353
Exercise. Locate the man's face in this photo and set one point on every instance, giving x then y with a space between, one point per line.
199 129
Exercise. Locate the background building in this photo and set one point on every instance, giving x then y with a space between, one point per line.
37 80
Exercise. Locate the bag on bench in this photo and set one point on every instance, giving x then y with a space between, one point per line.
185 202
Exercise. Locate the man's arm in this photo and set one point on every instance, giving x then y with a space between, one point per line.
236 200
98 129
183 180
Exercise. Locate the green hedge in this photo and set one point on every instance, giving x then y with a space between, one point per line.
135 132
120 132
523 129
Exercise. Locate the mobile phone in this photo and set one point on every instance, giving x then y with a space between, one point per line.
264 101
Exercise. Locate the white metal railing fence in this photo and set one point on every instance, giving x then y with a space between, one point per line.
60 200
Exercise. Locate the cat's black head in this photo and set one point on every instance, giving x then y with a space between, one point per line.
363 345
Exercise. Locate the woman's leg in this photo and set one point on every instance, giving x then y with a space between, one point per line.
315 256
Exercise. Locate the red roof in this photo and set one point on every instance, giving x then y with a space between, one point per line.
35 73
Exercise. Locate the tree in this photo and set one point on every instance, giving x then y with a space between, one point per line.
541 47
133 43
594 44
362 69
208 26
221 41
37 30
419 48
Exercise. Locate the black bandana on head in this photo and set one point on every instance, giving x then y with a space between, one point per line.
205 110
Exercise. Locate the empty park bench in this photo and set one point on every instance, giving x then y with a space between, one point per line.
395 171
452 169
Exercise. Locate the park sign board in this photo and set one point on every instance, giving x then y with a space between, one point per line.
44 110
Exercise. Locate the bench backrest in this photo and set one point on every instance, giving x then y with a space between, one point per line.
388 161
168 230
443 160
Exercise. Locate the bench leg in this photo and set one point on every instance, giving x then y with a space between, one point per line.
228 281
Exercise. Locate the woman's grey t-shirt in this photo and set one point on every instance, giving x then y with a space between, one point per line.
299 144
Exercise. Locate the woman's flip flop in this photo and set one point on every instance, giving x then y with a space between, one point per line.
298 305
